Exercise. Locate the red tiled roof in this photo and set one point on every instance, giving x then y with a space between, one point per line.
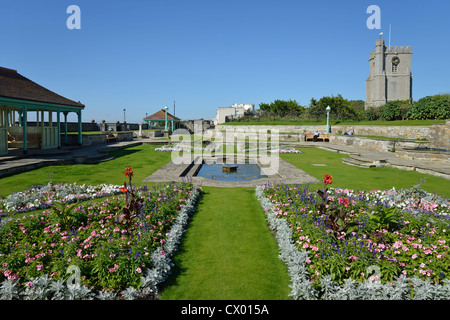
14 85
161 115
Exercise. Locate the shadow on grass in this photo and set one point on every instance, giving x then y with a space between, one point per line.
122 152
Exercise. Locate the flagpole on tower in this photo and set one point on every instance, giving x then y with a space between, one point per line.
389 35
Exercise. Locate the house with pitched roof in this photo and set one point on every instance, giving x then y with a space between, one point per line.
159 118
18 97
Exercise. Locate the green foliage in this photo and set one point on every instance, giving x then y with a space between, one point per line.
67 215
431 107
282 108
341 108
372 113
384 218
394 110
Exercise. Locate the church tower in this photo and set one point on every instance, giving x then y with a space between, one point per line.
390 75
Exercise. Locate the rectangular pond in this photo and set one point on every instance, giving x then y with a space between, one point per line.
238 172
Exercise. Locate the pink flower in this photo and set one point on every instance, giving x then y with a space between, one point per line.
39 267
138 270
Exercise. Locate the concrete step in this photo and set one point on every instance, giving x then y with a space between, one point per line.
358 163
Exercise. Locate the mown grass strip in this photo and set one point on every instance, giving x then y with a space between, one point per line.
228 252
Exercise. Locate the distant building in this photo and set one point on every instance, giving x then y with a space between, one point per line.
390 75
226 114
158 120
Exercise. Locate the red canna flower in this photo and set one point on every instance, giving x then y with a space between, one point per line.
123 189
327 179
128 172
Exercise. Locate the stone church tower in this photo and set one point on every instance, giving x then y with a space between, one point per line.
390 75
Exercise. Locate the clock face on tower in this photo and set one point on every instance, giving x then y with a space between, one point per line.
395 61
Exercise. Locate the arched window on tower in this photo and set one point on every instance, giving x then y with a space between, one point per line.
395 62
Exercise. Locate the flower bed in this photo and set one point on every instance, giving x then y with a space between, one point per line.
43 196
341 243
120 247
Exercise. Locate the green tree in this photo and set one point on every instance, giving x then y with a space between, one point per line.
430 107
282 108
341 109
394 110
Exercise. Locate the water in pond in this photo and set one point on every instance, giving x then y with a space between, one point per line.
244 172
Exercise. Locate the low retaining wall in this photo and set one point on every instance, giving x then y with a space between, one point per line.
437 135
148 134
375 144
95 139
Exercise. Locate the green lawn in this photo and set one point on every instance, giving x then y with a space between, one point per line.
228 252
345 176
142 158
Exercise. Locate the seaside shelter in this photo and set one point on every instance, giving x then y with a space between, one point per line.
158 120
20 96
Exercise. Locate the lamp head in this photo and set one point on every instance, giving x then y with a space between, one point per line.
328 109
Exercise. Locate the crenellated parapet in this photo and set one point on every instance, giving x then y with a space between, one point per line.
398 50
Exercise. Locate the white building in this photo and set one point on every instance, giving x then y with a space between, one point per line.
225 114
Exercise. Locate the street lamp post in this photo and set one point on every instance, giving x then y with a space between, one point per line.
124 115
165 127
328 119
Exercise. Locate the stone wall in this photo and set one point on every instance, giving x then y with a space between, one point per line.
95 139
375 144
438 135
71 126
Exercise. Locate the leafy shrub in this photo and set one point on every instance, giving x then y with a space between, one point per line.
431 107
372 113
394 110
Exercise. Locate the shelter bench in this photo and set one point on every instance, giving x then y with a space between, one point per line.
34 140
322 136
111 137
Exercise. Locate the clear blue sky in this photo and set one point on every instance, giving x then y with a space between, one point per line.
204 54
